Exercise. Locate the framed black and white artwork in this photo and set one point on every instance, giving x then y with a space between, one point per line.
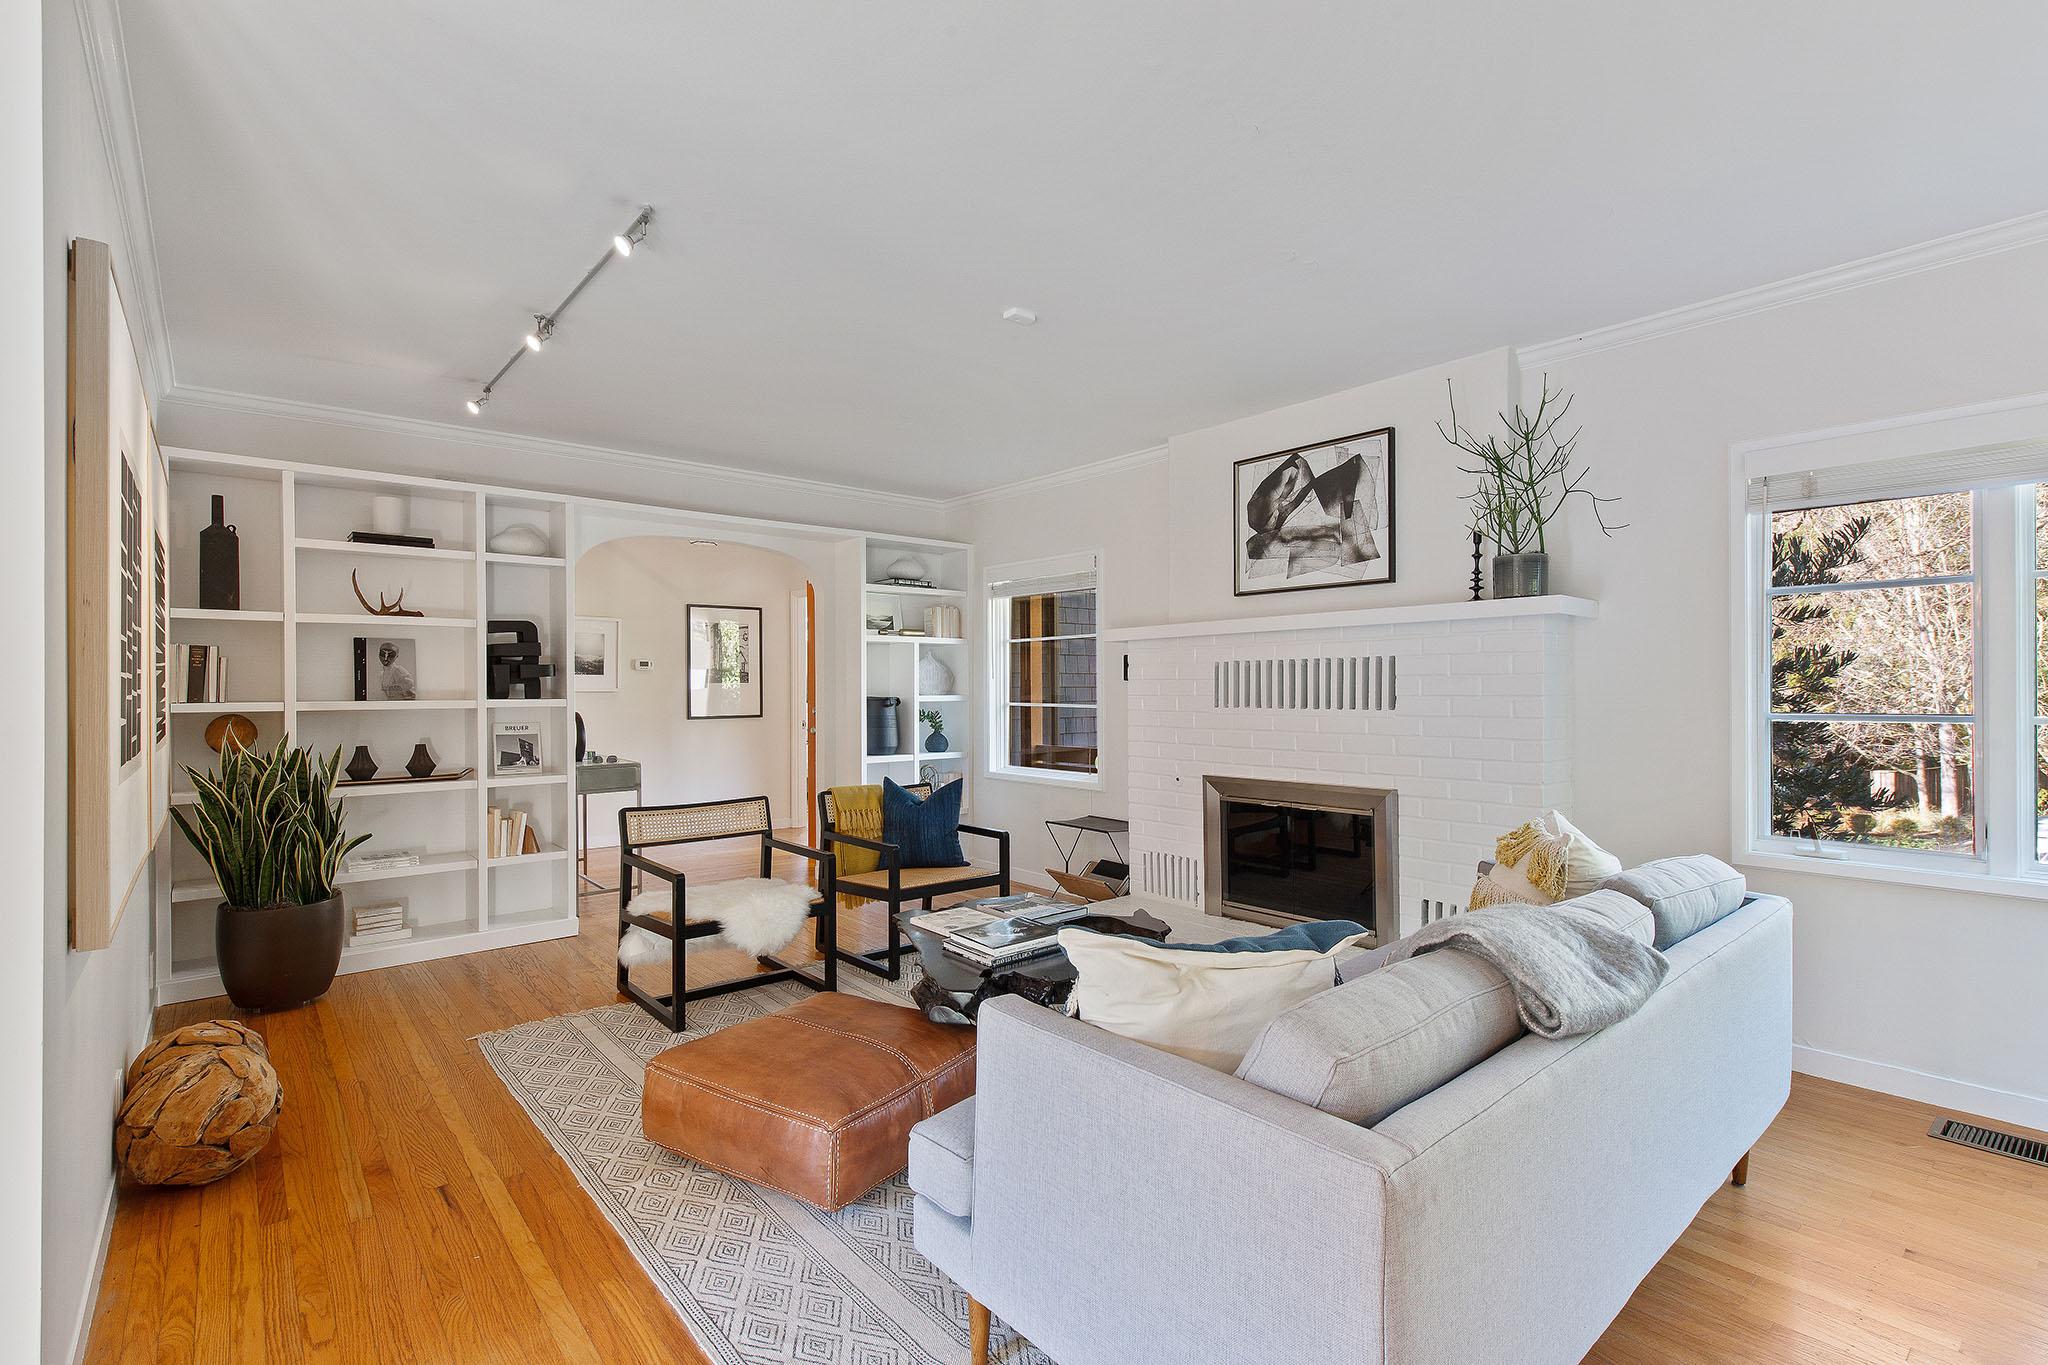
387 668
725 662
1319 516
595 651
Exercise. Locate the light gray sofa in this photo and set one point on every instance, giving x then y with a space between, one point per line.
1117 1204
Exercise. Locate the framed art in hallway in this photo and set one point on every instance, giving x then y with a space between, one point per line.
119 580
1319 516
725 662
595 651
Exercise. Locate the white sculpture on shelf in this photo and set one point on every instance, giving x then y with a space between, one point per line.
934 678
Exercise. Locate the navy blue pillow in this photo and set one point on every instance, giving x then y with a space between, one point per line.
1317 936
926 828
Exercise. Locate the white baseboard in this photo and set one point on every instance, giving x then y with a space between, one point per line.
2007 1106
89 1295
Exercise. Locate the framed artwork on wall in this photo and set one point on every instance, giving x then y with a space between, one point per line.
595 650
1319 516
118 580
725 662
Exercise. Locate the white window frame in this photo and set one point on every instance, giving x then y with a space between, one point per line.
1001 583
2003 563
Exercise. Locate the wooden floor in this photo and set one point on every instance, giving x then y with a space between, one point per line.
407 1211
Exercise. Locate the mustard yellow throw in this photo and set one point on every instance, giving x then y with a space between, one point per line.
857 811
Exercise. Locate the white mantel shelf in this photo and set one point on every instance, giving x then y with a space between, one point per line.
1579 608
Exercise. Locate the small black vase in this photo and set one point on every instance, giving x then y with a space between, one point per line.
220 562
361 767
421 764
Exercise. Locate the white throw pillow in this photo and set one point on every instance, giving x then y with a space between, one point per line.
1586 863
1207 1007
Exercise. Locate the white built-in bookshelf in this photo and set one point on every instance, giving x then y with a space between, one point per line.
291 670
890 662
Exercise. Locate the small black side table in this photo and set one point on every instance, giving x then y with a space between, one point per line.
1108 826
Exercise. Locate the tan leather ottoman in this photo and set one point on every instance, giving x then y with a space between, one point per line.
816 1101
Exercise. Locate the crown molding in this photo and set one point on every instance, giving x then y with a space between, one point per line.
356 419
2013 233
1060 478
106 69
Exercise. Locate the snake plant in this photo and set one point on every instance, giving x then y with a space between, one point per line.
269 826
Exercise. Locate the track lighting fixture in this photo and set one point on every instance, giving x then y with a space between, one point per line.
544 323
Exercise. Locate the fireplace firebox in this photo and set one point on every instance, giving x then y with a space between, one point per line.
1287 852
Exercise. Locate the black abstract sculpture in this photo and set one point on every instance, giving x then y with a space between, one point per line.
516 669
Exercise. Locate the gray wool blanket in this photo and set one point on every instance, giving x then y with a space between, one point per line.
1571 973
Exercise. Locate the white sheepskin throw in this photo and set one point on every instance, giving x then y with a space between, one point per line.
757 915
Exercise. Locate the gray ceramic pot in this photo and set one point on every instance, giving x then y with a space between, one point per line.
278 957
1523 575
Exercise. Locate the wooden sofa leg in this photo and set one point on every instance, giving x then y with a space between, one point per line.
1740 1176
977 1332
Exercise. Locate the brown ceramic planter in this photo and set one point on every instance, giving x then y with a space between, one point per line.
280 956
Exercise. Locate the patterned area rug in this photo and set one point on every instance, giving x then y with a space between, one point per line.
757 1277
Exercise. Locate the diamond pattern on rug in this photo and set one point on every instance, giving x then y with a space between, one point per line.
758 1278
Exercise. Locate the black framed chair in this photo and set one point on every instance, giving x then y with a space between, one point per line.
646 827
897 885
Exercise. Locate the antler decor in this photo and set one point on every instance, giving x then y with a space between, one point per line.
382 608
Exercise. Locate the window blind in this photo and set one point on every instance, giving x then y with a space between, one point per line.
1064 573
1983 467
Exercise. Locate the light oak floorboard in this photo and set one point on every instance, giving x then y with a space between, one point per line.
407 1210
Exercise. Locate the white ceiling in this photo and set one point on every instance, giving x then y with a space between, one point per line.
1214 208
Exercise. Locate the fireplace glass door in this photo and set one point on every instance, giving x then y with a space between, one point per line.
1298 861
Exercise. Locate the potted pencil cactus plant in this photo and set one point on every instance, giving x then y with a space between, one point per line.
1525 479
270 828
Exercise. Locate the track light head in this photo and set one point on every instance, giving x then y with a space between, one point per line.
635 233
543 328
476 404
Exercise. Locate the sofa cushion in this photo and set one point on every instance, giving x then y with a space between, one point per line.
942 1159
1192 1000
1370 1046
1617 911
1683 895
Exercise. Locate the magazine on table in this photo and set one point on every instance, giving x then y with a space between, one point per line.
1000 930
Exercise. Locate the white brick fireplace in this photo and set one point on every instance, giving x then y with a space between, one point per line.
1462 709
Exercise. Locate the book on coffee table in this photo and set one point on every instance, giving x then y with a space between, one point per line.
1002 942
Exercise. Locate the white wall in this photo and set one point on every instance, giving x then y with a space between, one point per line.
96 1005
1432 557
647 582
25 614
1123 516
1930 993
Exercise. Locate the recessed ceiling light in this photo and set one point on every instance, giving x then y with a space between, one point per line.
1023 317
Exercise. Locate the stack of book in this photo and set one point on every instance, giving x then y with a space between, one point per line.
385 860
510 833
1002 931
944 622
383 922
204 670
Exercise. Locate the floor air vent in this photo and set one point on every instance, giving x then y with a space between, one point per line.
1991 1140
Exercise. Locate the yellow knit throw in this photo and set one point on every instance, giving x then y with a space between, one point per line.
857 811
1538 855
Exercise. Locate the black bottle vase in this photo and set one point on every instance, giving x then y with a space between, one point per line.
361 767
220 562
421 764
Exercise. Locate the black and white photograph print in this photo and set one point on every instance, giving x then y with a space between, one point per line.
516 748
1319 516
725 662
387 669
594 651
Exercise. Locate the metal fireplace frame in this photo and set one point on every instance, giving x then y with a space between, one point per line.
1378 802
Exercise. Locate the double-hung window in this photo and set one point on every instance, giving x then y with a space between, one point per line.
1895 680
1043 700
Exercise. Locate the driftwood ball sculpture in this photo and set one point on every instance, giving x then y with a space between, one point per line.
201 1101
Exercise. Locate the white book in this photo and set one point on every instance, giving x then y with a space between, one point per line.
515 841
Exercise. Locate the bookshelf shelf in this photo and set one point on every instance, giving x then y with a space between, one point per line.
294 521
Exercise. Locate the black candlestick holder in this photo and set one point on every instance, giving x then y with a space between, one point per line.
1475 563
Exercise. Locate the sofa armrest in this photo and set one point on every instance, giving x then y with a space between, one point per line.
1132 1205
